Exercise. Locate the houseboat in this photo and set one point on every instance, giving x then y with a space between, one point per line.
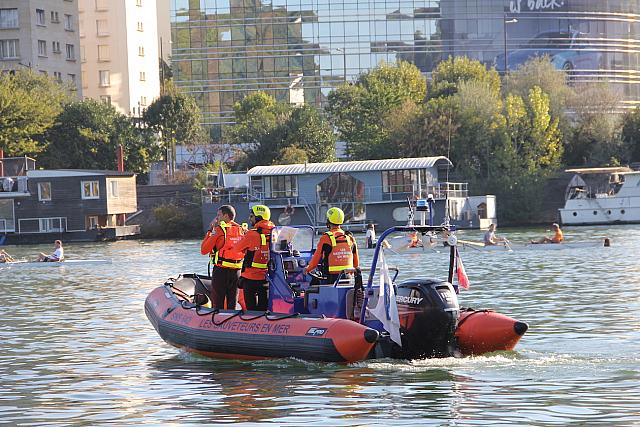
371 191
38 206
602 196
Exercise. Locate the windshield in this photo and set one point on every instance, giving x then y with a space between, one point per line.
292 238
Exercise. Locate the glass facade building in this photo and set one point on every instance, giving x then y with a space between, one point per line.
299 50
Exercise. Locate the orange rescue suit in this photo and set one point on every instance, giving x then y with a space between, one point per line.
256 243
219 245
339 249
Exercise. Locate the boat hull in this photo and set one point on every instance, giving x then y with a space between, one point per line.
485 331
256 335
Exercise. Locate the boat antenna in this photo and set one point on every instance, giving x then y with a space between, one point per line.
446 191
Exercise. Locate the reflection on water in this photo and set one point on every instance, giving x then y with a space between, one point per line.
77 349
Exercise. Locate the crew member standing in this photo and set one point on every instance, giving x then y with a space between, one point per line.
222 235
255 244
337 249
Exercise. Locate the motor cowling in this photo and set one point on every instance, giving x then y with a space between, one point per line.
428 312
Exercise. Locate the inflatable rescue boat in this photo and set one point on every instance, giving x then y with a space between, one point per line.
345 321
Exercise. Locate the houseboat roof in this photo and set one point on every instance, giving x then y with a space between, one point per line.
354 166
60 173
617 169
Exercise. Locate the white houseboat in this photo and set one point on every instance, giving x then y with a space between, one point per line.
602 196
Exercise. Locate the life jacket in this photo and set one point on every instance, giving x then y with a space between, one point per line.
259 258
224 257
340 257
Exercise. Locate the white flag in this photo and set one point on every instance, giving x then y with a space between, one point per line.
387 308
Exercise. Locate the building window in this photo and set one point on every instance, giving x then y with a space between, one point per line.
103 52
71 52
9 18
139 3
40 17
114 189
140 26
72 78
101 4
55 17
44 191
48 225
9 49
56 47
68 22
280 186
83 54
104 78
57 75
42 48
140 50
81 27
106 99
85 83
90 190
101 27
143 76
143 100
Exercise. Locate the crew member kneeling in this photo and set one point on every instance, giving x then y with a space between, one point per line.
337 249
222 235
255 244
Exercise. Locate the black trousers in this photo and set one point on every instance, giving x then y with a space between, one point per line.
224 286
255 294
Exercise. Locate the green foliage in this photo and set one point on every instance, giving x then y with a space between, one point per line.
274 133
596 132
631 134
449 74
176 117
361 111
29 105
86 135
174 221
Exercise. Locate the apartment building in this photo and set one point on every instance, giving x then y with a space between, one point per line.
119 52
42 35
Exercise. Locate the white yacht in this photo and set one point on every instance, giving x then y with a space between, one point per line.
602 196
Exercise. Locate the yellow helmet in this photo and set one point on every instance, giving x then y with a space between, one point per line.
261 211
335 216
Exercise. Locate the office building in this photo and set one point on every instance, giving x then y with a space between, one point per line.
299 50
41 35
119 51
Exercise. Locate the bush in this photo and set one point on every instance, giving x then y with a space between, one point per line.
172 221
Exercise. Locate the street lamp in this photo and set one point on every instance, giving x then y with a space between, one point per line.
505 22
344 61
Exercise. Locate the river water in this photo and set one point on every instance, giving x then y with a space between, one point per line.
77 349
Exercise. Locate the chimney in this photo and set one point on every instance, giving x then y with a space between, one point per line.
120 158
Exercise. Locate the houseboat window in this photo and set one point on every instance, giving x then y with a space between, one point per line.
7 219
341 187
114 189
92 222
280 186
44 191
48 225
404 181
90 190
482 210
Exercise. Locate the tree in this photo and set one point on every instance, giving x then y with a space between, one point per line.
449 74
176 118
270 132
595 139
631 134
29 105
86 135
359 111
540 72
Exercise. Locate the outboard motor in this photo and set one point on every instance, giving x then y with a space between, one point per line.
429 314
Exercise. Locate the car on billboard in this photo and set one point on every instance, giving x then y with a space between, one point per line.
567 50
